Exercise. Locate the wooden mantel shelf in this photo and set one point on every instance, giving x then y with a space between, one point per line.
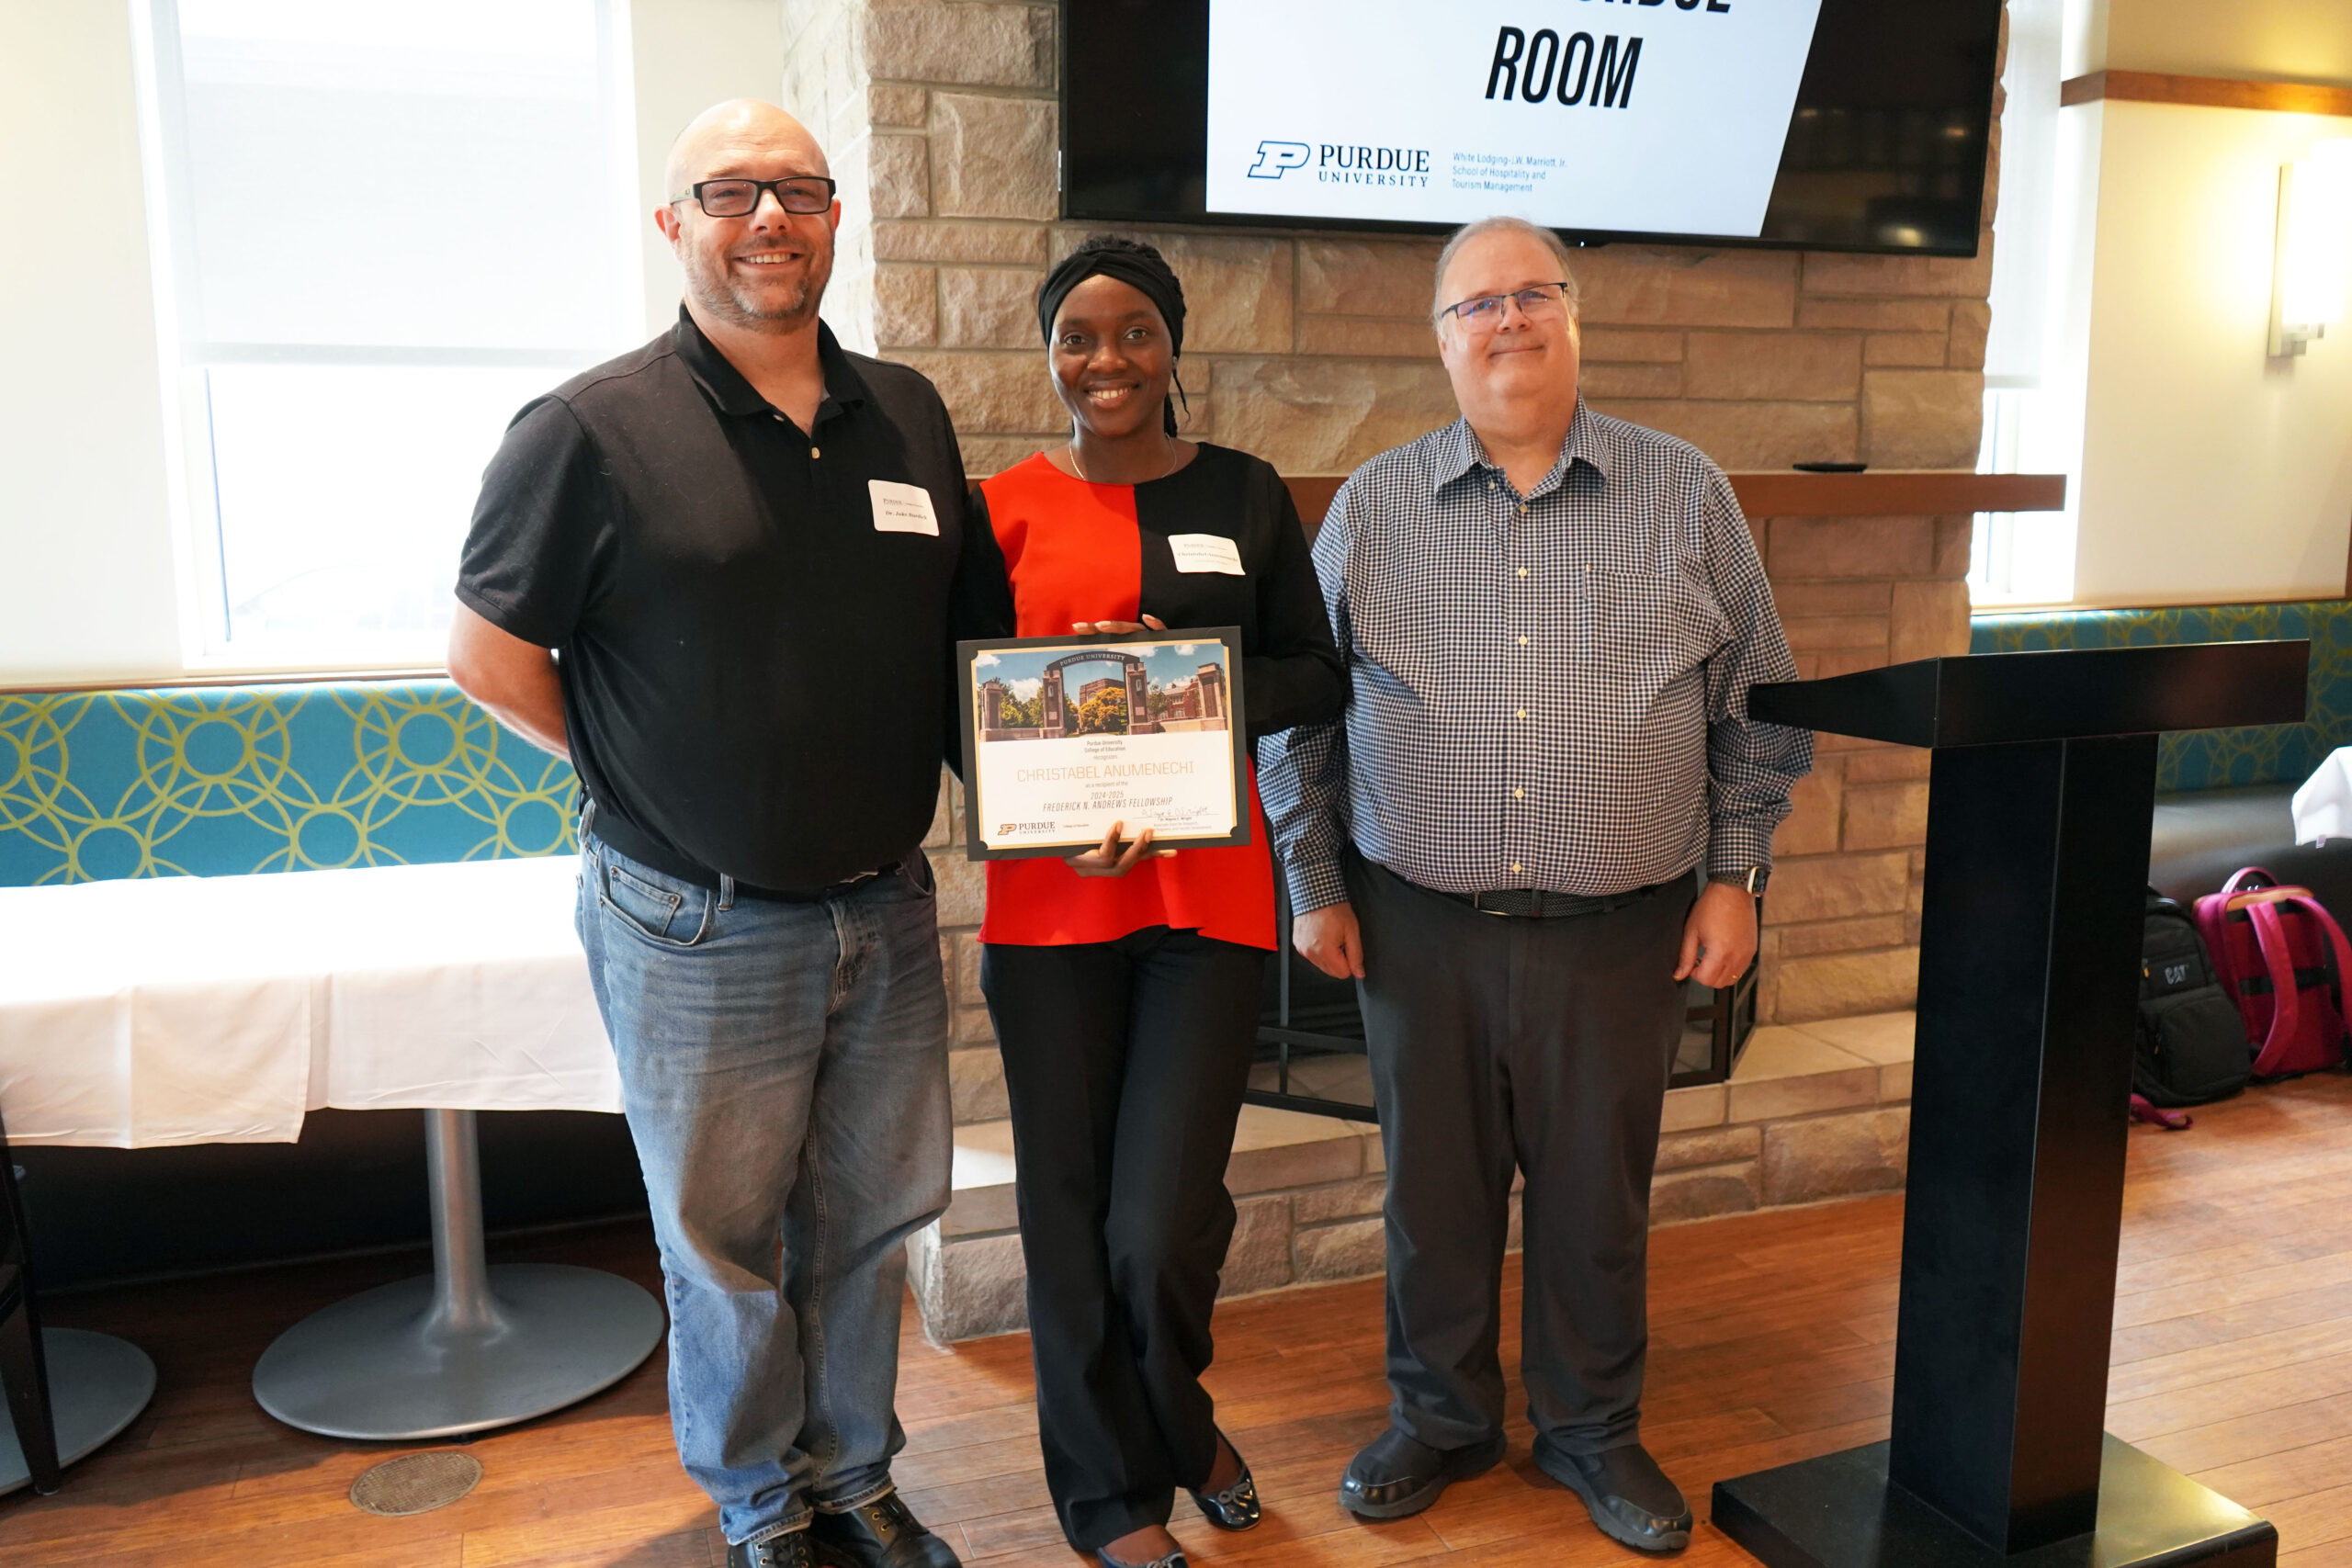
1889 493
1895 492
2206 92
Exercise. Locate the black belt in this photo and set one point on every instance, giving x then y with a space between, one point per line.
613 829
1535 904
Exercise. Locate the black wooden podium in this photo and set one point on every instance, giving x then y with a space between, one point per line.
2042 790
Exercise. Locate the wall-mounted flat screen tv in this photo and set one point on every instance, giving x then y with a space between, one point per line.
1824 124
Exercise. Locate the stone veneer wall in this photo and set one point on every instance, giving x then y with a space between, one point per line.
1842 926
1313 350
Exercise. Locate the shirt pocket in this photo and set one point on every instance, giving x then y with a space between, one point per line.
1653 628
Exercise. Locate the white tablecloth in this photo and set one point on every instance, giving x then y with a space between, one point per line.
218 1010
2323 806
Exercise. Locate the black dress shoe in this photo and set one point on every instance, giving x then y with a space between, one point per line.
877 1533
1235 1507
788 1551
1394 1475
1627 1495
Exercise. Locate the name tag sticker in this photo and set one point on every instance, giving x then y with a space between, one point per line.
1205 552
902 509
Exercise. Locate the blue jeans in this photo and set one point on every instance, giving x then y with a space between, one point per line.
784 1068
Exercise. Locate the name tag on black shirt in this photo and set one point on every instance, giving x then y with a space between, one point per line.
902 509
1205 552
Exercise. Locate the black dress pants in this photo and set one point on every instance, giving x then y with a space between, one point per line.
1543 1045
1125 1062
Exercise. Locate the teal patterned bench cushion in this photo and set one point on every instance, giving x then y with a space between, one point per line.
2212 759
223 781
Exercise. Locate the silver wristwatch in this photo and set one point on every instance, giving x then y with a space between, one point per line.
1752 879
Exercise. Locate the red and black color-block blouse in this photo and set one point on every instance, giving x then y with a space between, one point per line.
1076 551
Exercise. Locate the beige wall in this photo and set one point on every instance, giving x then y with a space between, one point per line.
2206 471
2298 41
2210 471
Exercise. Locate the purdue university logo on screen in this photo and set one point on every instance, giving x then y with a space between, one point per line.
1343 162
1276 159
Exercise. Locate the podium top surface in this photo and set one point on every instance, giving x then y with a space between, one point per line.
1989 699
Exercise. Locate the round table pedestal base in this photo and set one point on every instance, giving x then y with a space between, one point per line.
97 1385
373 1368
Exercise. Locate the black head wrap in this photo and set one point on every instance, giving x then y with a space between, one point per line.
1132 263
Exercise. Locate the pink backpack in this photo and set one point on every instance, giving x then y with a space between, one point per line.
2284 961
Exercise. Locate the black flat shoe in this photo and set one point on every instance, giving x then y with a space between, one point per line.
877 1533
789 1550
1625 1491
1235 1507
1394 1475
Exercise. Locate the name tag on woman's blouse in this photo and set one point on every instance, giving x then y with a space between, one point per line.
1205 552
902 509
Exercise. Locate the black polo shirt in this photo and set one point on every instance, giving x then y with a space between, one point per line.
752 669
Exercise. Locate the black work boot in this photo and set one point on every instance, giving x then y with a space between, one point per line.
878 1533
1628 1495
789 1550
1394 1474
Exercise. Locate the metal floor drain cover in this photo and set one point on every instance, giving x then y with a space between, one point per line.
415 1484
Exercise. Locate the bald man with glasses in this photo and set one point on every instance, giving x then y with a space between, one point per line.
719 574
1543 812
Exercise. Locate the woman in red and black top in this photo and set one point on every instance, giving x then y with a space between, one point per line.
1124 983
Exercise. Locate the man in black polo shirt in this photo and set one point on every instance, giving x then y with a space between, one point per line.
717 573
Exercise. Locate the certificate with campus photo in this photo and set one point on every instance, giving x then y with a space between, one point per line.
1065 736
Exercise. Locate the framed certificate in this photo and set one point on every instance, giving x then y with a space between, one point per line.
1065 736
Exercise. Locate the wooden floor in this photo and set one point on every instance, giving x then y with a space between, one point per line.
1773 1342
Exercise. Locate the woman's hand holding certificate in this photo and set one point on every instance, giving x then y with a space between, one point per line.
1071 743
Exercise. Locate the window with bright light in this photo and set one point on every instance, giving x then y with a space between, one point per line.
2026 557
2019 557
386 227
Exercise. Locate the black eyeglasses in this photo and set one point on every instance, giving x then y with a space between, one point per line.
1485 312
739 198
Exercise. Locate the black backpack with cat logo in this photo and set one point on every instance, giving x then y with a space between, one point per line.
2192 1044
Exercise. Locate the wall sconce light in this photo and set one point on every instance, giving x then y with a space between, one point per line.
2311 268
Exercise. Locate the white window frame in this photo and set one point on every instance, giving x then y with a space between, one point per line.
1992 565
197 528
2020 397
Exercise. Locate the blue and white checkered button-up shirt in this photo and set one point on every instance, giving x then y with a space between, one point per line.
1548 690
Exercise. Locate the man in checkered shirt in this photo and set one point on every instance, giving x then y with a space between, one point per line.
1551 620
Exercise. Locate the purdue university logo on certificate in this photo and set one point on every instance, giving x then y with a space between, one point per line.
1065 736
